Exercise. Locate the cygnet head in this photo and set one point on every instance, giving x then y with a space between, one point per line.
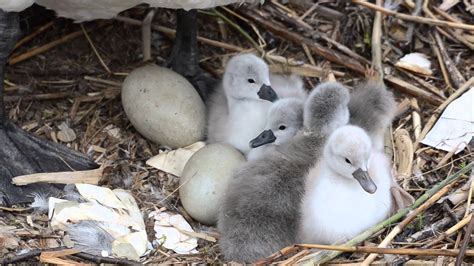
347 153
285 118
246 77
326 109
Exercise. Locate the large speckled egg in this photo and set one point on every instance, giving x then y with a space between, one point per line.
205 178
163 106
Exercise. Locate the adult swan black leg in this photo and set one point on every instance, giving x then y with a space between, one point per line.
20 152
184 57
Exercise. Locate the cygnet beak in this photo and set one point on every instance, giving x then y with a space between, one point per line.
265 137
365 181
266 92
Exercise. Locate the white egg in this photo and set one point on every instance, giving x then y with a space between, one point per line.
163 106
205 178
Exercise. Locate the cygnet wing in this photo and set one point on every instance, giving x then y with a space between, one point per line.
326 108
371 107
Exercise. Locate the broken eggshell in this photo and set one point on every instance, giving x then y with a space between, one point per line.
205 178
173 161
170 232
415 62
163 106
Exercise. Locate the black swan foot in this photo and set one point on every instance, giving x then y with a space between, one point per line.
184 57
20 152
23 153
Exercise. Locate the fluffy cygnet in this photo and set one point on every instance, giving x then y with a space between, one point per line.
238 108
260 211
347 191
285 119
372 107
288 86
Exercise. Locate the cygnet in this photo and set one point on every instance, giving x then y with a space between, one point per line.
288 86
372 107
347 191
285 119
260 211
238 108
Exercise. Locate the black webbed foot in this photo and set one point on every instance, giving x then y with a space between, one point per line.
184 57
23 153
20 152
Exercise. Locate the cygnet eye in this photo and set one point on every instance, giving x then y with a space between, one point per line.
282 127
251 80
348 161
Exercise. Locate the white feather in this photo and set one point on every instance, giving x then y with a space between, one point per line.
84 10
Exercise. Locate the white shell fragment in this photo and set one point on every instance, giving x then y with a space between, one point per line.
173 161
117 212
415 62
169 232
455 128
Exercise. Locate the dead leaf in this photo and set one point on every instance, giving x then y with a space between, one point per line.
66 134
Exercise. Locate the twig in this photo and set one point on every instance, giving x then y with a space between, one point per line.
103 81
94 49
22 257
309 11
45 47
413 90
453 229
308 54
172 33
48 46
465 242
68 177
396 251
100 259
456 76
235 26
399 228
435 48
294 37
425 84
447 31
146 34
323 257
411 26
333 56
310 31
39 97
376 43
428 21
440 109
33 34
300 68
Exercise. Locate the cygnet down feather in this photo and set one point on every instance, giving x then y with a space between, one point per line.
238 108
288 86
285 119
347 191
372 107
260 212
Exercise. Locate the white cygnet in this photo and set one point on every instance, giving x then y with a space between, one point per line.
285 119
347 191
288 86
238 108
